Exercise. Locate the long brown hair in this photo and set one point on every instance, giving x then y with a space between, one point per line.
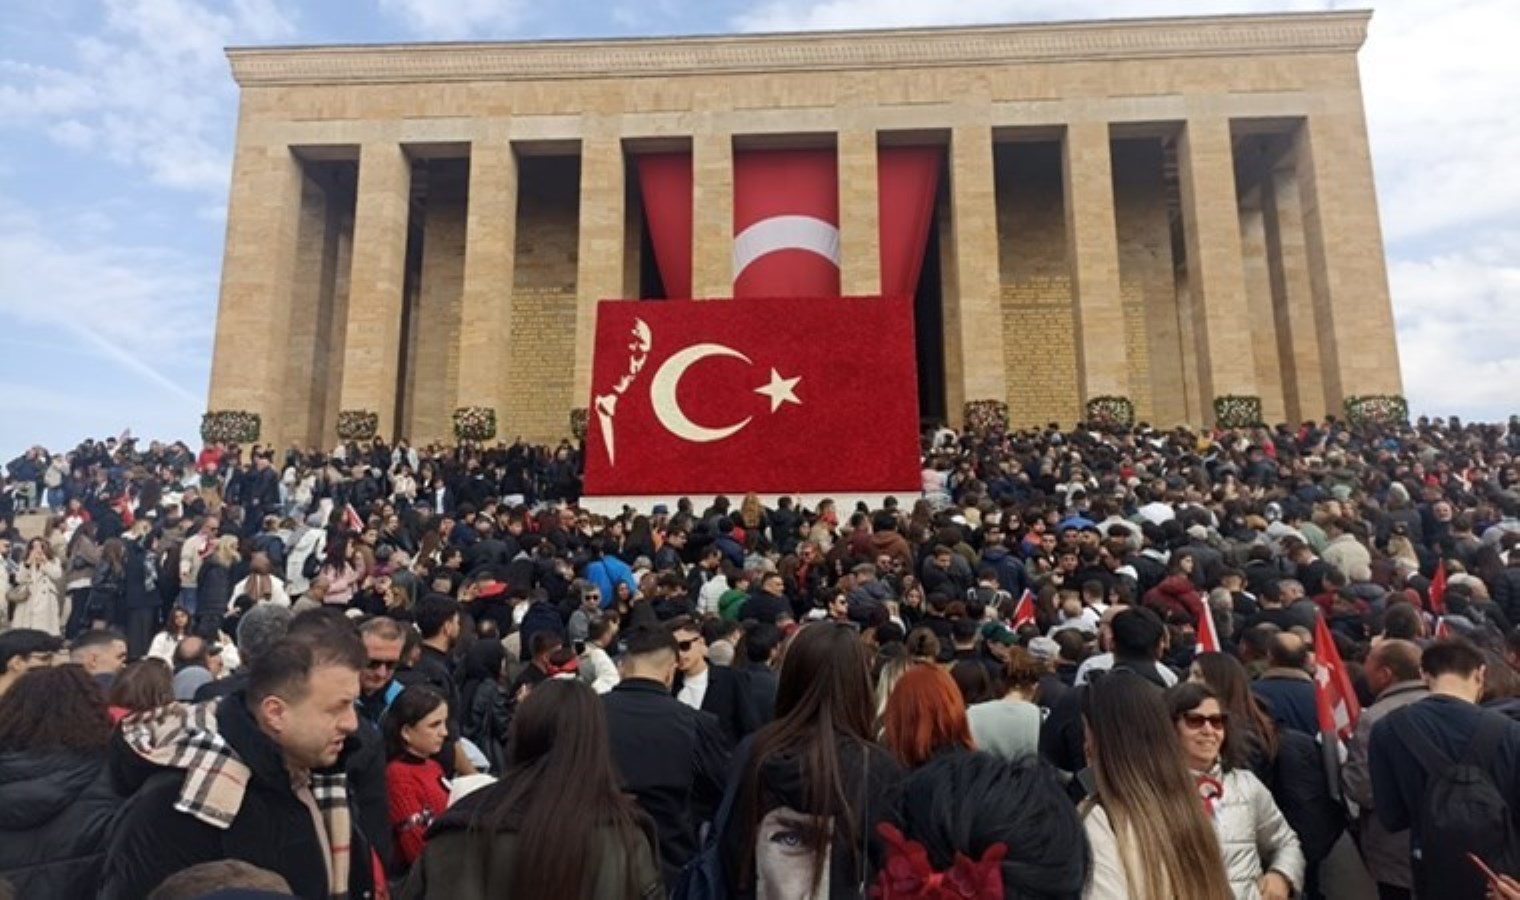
58 708
823 694
1166 843
1255 730
557 791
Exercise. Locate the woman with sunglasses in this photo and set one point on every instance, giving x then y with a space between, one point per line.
1261 853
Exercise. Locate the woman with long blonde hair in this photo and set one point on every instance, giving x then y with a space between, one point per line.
1151 838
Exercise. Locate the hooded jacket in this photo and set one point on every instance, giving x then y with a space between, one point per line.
867 772
1253 834
56 810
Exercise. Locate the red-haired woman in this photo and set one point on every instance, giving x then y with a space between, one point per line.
925 717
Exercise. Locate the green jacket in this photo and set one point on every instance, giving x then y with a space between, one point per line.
460 864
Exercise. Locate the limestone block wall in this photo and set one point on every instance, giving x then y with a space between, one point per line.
1147 284
1038 319
541 351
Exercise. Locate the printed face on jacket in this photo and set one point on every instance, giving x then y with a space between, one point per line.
783 862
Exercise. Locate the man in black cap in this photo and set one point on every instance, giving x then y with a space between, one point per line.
22 650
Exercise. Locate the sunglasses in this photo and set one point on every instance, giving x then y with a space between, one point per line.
376 665
687 645
1196 721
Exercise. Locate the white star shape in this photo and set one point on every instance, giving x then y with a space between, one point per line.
780 390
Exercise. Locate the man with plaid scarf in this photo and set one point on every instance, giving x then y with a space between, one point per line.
256 776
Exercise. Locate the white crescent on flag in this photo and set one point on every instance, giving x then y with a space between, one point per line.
785 233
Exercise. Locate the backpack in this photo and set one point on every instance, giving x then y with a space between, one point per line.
312 566
1462 811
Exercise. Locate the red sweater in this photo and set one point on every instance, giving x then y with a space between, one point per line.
417 797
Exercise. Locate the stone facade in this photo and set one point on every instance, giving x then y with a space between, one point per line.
1165 209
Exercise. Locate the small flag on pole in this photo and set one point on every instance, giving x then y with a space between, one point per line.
351 518
1208 632
1024 612
1438 589
1442 629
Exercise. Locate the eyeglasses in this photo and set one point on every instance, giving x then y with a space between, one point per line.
687 645
597 598
1196 721
376 665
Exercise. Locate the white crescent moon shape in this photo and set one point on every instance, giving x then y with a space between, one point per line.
785 233
662 394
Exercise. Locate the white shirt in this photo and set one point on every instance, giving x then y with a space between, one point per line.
694 690
1105 661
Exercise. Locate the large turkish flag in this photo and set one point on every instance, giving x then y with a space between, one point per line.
786 396
786 223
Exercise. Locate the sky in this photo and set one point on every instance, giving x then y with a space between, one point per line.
117 121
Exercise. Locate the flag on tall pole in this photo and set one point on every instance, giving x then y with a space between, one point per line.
1024 612
1438 589
1334 698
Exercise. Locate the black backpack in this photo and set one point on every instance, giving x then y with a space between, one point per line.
1462 811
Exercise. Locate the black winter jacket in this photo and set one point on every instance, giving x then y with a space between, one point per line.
273 828
55 816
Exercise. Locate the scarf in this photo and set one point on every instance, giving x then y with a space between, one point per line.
183 736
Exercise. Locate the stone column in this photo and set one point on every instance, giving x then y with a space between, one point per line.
1093 241
859 215
1359 353
249 362
1293 298
1216 275
373 344
599 272
974 364
490 254
712 220
310 330
1253 238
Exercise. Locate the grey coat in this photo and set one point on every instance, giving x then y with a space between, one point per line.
1253 835
1386 853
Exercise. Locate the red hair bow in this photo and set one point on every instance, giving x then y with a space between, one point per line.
908 874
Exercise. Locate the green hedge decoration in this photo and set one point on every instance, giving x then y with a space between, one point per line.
985 415
1377 409
1237 411
358 424
234 426
474 423
1111 412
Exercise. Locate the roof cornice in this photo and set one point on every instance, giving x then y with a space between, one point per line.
1117 39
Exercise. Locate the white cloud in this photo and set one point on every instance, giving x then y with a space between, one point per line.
455 19
149 91
146 310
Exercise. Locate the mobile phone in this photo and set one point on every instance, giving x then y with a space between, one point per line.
1488 873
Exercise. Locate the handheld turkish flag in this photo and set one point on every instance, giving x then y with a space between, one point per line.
1442 629
1208 633
781 396
351 519
1334 698
1024 612
1438 589
786 223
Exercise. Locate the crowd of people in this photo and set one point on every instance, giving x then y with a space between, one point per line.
1086 663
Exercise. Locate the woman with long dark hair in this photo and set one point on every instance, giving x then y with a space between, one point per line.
416 726
39 573
55 786
1260 851
1287 761
1150 836
556 825
811 784
484 714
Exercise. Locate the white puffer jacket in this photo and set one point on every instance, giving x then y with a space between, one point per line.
1253 834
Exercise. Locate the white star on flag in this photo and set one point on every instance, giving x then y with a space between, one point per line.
780 390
